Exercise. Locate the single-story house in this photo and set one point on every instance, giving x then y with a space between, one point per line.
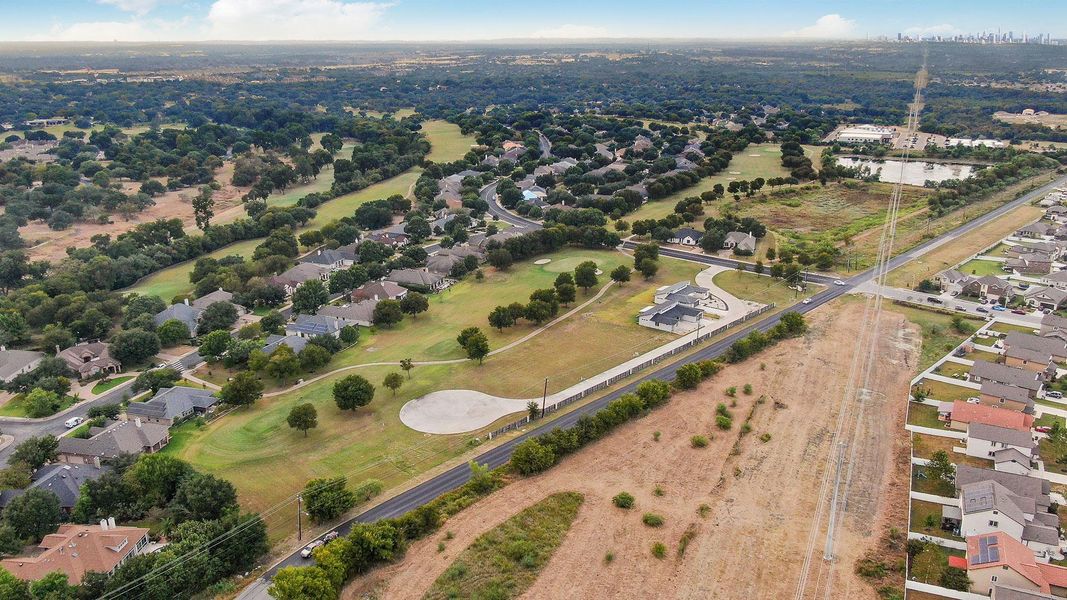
356 313
1056 279
989 286
122 437
1045 297
1056 212
684 164
182 312
686 236
682 292
295 343
218 295
997 559
442 264
1036 230
170 405
16 362
740 241
390 238
309 326
379 290
1029 264
1053 325
331 259
983 440
1054 346
75 550
64 481
291 278
983 370
419 279
671 316
89 359
962 414
1007 397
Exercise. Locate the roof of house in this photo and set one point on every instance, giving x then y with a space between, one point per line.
123 437
379 290
13 361
965 412
181 312
210 298
88 354
295 343
682 287
442 263
998 549
324 257
1003 435
1005 455
1035 356
300 273
1053 346
1020 485
1054 295
993 282
983 496
1053 321
61 479
1033 532
76 550
1005 374
683 232
1038 228
413 277
741 240
1007 392
1057 276
670 313
172 402
1003 592
356 311
952 276
315 325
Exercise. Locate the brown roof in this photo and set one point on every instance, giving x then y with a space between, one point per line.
76 550
965 412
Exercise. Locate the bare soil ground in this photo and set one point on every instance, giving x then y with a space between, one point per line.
760 496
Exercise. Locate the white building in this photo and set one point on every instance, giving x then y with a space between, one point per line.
983 441
865 134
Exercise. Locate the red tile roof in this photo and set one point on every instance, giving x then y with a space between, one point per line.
1005 551
965 412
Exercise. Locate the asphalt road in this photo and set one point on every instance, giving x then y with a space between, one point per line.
545 144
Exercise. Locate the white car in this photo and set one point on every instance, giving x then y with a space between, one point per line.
806 301
73 422
306 552
974 400
839 282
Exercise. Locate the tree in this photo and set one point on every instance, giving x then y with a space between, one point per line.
36 452
349 334
648 267
13 588
500 259
134 346
214 344
532 457
303 417
940 469
563 278
313 357
352 392
414 303
565 293
327 499
53 586
302 583
42 403
620 274
309 296
418 229
172 332
538 311
393 381
155 478
688 376
387 312
283 363
33 514
154 379
203 208
242 390
203 497
585 275
407 365
477 347
501 317
218 316
10 544
533 409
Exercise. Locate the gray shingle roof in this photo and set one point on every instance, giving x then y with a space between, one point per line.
172 403
1007 392
14 361
124 437
1020 485
313 325
295 343
992 433
63 480
1007 375
189 315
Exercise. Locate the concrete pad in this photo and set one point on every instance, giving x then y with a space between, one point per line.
457 411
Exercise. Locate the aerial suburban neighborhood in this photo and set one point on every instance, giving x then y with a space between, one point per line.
330 299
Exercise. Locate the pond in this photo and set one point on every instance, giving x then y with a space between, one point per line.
914 172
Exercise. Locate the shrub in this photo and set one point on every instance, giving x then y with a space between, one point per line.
731 391
652 520
765 438
721 410
659 550
703 510
698 441
655 436
532 457
746 428
658 491
609 558
747 389
723 422
623 500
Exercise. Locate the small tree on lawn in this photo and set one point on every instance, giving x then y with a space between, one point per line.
533 409
393 381
620 274
242 390
940 470
309 296
303 417
414 303
327 499
477 347
585 275
648 267
387 312
407 365
352 392
566 293
501 317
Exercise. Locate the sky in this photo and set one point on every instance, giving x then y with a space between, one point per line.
475 20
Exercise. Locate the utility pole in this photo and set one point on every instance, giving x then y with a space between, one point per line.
544 397
299 517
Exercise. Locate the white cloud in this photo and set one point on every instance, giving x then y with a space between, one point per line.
108 31
312 20
828 26
942 29
570 30
139 7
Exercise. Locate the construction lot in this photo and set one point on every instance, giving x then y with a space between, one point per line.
759 489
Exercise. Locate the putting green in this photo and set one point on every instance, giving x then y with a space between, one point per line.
568 264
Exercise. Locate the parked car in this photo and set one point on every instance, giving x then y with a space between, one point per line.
306 552
934 300
982 309
1042 429
1018 312
999 308
1054 394
73 422
961 308
974 400
329 537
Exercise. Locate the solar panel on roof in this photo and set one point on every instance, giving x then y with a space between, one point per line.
994 554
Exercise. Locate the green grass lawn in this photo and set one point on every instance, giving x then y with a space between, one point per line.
505 561
108 384
447 142
344 206
953 369
255 449
980 268
983 355
924 446
16 406
1002 327
945 392
926 519
998 250
1052 453
938 335
924 415
1047 420
760 288
320 184
925 485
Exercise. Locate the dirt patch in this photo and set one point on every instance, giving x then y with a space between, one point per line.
760 496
